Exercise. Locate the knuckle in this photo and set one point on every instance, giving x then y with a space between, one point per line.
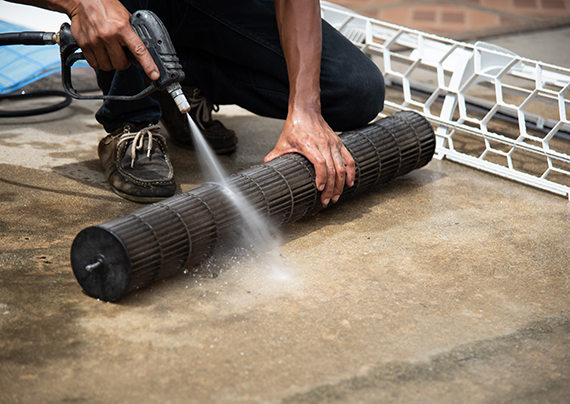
139 50
123 24
320 160
122 27
106 35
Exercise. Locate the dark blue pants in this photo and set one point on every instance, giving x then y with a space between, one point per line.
231 50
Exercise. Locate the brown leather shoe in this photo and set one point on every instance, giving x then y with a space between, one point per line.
136 163
221 139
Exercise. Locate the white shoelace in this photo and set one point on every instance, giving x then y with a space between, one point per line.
138 141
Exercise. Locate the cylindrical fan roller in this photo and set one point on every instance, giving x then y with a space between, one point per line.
159 240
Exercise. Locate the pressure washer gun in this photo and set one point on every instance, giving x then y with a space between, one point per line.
154 35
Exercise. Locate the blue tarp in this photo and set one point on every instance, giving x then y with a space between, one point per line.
23 64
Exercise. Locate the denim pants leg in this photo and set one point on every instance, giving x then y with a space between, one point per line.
231 51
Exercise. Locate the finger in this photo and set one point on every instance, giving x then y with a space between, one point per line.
118 57
141 53
272 155
340 172
321 177
349 166
90 57
329 189
322 174
93 47
103 60
320 165
312 154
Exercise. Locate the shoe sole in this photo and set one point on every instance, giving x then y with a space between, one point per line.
141 199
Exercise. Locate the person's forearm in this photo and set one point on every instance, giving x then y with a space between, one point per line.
300 30
305 131
102 29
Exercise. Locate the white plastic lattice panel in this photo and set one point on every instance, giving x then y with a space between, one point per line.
491 109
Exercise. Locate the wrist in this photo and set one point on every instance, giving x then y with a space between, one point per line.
67 7
306 106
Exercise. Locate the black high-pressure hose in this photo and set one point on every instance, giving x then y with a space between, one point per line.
32 38
28 38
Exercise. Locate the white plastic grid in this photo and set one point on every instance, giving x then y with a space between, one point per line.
492 110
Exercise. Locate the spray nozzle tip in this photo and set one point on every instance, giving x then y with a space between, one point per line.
183 105
175 91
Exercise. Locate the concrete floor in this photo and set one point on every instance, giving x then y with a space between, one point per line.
447 286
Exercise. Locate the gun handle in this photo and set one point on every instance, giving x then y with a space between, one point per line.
154 35
68 55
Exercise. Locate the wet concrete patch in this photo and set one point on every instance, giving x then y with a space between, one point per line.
40 215
444 268
37 324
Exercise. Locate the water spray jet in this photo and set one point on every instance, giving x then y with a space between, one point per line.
132 251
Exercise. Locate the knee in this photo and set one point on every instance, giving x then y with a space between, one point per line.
356 99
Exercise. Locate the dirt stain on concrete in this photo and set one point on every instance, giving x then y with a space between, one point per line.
495 370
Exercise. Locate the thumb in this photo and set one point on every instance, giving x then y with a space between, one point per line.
270 156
